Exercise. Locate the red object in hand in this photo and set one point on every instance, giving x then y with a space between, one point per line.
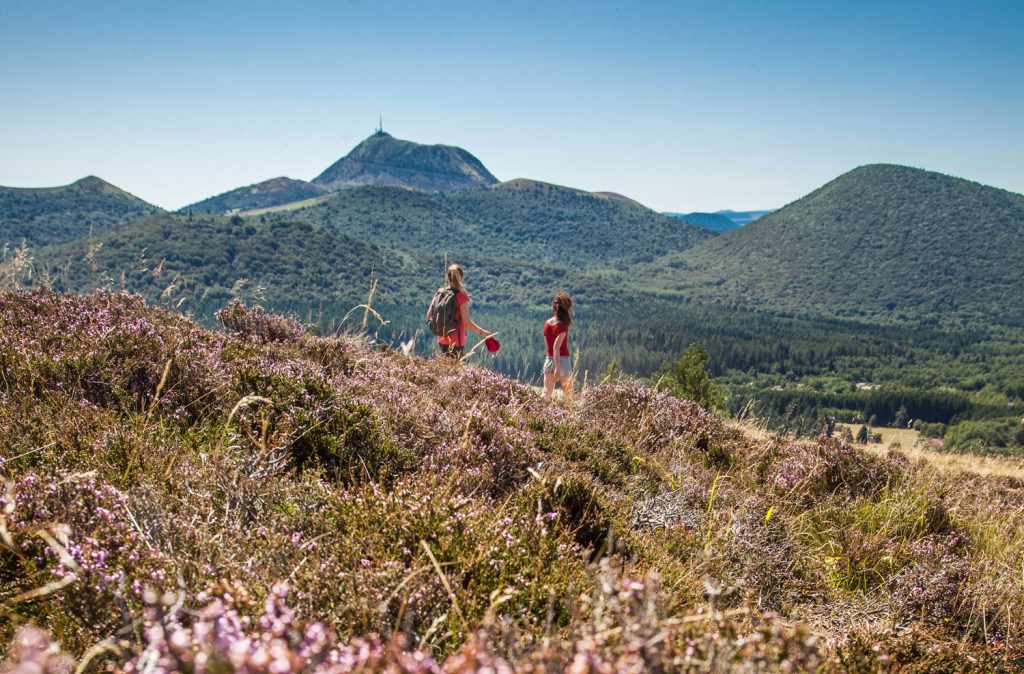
492 344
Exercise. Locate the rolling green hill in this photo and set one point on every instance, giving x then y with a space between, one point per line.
267 194
880 242
525 220
42 215
298 265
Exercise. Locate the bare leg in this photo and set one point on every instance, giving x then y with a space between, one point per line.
549 384
566 383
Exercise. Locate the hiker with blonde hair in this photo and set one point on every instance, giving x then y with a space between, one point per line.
557 364
448 314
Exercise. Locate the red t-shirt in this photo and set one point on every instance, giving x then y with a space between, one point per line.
551 332
457 338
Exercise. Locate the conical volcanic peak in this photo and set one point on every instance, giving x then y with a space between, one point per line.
384 160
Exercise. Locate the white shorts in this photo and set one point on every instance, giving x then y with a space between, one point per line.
565 363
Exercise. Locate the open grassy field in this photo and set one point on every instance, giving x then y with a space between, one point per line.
292 206
914 447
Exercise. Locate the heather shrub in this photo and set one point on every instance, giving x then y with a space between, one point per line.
260 325
931 588
813 470
347 440
914 651
107 349
653 421
75 536
619 627
867 542
34 652
575 503
608 460
377 543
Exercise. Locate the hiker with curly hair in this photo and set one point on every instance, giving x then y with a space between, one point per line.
557 364
448 314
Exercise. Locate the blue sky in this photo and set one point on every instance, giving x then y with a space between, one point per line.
681 105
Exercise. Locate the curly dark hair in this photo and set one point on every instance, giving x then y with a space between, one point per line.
561 307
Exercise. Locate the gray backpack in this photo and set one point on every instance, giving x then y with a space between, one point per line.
444 315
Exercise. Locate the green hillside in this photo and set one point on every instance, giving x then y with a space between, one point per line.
42 215
267 194
880 242
525 220
295 264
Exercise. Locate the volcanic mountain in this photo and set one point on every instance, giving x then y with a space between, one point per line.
379 160
384 160
43 215
879 242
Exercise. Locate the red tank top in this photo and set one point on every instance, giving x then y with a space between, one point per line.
551 332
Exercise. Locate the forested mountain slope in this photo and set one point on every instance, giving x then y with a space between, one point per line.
42 215
714 222
524 220
292 264
881 241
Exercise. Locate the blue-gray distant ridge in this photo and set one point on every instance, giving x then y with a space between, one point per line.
719 222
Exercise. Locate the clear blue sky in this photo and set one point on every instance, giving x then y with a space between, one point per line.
681 105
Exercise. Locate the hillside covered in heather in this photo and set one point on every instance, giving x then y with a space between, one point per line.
179 499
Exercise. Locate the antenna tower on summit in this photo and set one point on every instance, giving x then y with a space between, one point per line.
380 123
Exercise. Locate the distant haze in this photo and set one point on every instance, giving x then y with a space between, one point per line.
696 106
